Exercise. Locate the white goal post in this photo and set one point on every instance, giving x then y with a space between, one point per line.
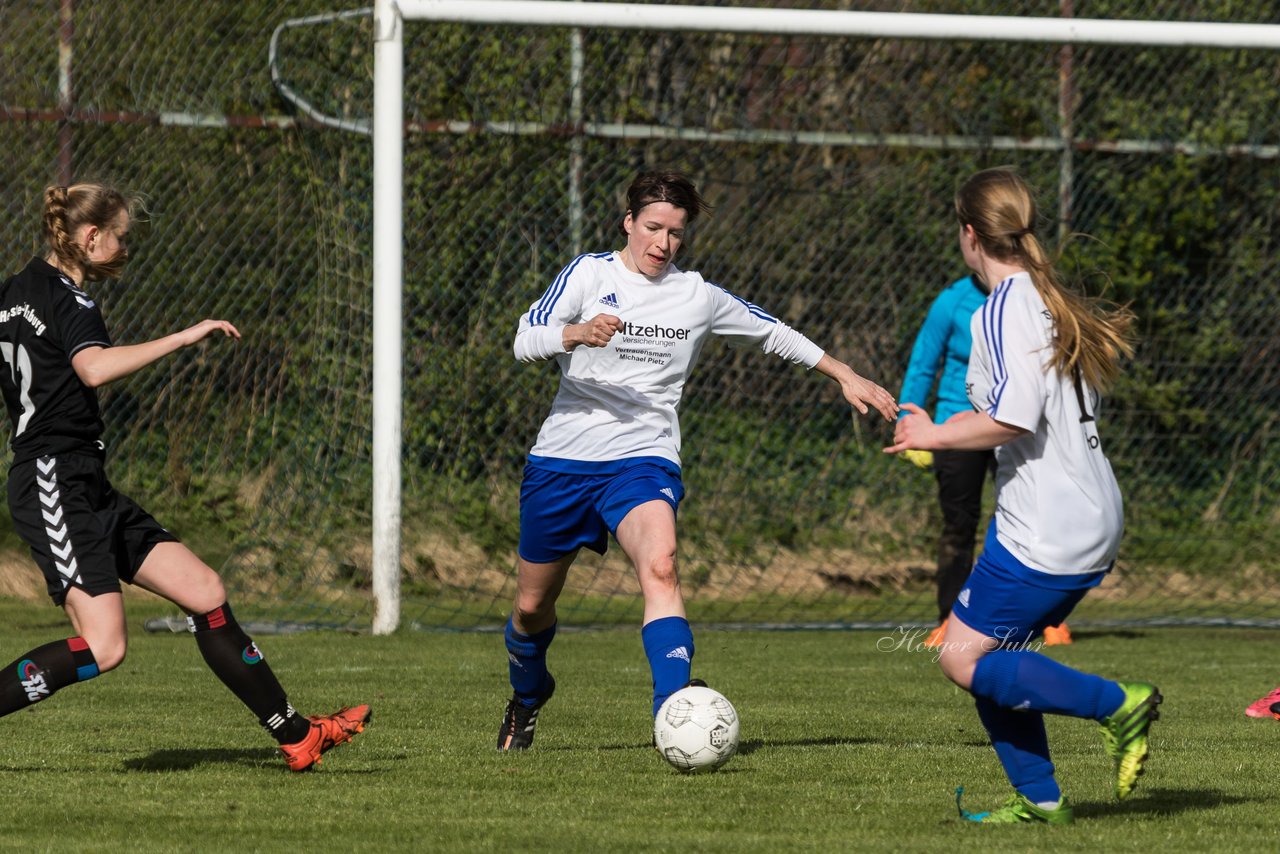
388 149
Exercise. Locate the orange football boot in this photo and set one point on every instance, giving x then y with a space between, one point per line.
326 732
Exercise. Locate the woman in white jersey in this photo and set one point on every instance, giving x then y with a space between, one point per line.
1041 354
626 328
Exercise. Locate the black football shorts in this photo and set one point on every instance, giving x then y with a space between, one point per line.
81 531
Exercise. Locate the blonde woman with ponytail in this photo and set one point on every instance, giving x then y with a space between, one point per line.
1041 357
85 536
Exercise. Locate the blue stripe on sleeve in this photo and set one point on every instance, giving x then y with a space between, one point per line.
541 311
994 331
751 307
988 308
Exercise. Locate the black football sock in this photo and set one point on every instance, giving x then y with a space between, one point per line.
237 661
35 676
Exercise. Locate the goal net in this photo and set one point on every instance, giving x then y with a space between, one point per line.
831 163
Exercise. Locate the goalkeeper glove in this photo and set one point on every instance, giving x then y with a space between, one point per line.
919 459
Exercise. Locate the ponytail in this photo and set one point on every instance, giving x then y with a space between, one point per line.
1090 334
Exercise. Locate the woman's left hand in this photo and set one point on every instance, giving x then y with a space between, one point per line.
862 393
205 328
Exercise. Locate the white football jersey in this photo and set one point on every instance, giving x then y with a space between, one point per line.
1058 506
619 401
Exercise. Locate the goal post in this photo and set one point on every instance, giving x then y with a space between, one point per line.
388 301
388 129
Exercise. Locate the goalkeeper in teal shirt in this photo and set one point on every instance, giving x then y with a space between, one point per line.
941 356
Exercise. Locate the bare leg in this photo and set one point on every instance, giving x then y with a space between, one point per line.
173 571
648 535
100 621
538 586
962 647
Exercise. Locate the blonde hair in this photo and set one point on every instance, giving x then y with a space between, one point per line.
1090 334
66 209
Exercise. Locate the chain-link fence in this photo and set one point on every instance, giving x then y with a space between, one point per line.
831 164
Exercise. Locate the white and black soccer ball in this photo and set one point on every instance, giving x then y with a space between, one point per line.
696 729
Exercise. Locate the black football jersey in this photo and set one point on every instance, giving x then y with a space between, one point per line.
44 321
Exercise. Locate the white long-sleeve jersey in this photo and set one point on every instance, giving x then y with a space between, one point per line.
1058 506
619 401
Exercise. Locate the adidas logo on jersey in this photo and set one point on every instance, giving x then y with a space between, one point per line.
611 300
963 598
679 652
666 490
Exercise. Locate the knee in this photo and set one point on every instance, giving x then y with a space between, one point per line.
958 669
662 571
531 609
207 594
527 610
108 652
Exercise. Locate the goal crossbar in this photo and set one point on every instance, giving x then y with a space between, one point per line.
817 22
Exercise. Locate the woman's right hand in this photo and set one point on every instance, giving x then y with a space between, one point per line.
913 431
596 332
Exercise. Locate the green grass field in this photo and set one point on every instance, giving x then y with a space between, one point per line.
845 746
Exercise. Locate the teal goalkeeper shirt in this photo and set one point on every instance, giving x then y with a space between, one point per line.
941 351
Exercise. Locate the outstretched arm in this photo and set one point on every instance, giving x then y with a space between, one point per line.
737 319
964 431
100 365
860 392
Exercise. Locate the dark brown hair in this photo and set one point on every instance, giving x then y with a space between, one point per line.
67 209
1090 334
675 188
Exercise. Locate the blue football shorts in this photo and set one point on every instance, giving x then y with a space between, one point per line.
1008 600
562 512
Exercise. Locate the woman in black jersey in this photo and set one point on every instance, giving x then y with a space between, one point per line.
85 536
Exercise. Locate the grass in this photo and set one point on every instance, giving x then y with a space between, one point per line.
844 747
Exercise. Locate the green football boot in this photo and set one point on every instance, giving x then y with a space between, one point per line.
1124 733
1018 810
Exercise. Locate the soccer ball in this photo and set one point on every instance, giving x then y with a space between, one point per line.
696 729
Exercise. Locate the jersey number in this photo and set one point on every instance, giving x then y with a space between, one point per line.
20 370
1085 417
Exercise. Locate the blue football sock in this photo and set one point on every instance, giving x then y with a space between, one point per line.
1021 679
668 643
1023 747
527 662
